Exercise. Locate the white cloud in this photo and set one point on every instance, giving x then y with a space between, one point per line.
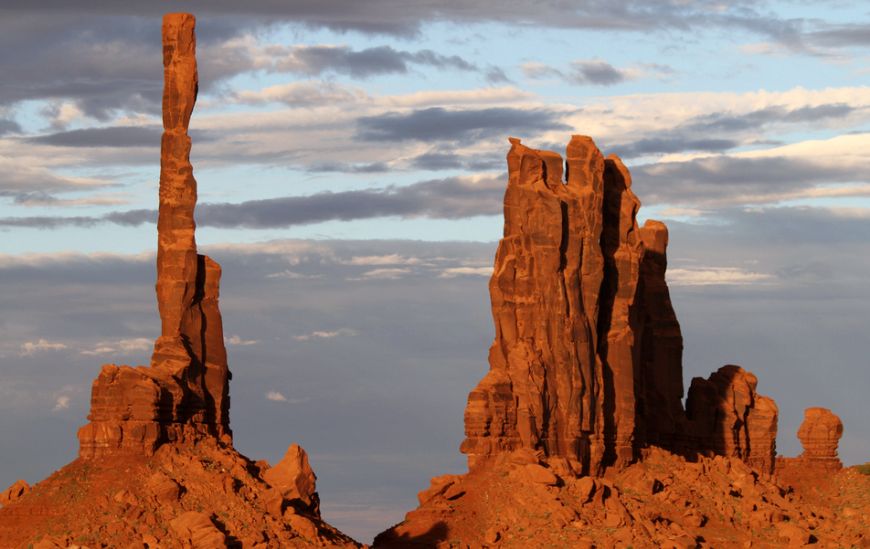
61 403
709 276
322 334
385 274
236 340
31 347
453 272
390 259
291 275
276 396
121 346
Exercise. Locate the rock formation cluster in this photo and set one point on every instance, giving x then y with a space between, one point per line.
586 365
184 394
577 435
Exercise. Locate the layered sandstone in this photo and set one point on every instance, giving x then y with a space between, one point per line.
820 435
586 365
728 417
184 393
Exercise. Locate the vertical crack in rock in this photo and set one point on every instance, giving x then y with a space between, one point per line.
185 392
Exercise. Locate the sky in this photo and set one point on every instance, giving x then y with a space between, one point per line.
350 162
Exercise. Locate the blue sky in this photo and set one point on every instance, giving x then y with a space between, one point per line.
350 159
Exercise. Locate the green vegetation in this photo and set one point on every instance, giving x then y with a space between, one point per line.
864 469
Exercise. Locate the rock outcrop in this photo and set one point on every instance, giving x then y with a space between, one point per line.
577 435
184 394
586 365
820 435
294 479
19 489
729 418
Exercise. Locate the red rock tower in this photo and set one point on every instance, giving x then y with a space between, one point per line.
185 392
586 365
820 435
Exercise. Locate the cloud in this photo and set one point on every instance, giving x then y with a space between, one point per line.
61 403
9 126
115 136
41 345
275 396
19 178
596 72
313 93
449 198
453 272
236 340
316 60
121 346
392 273
390 259
466 125
44 199
290 275
709 276
324 334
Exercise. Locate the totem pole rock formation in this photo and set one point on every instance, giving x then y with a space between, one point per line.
184 393
586 365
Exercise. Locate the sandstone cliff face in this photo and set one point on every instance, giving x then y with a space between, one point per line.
184 393
586 365
728 417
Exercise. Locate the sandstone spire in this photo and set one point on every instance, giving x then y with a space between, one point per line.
184 394
586 365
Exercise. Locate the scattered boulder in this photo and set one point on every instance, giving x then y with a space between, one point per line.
294 478
197 531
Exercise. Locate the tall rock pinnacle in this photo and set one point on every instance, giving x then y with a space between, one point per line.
185 392
586 365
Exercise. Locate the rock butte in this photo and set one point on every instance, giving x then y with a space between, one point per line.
586 366
576 437
577 434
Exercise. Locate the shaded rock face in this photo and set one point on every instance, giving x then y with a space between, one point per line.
586 365
185 392
728 417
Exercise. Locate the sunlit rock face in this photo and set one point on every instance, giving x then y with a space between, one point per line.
586 365
184 394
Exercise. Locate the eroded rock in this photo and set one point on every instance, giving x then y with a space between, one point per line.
184 394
